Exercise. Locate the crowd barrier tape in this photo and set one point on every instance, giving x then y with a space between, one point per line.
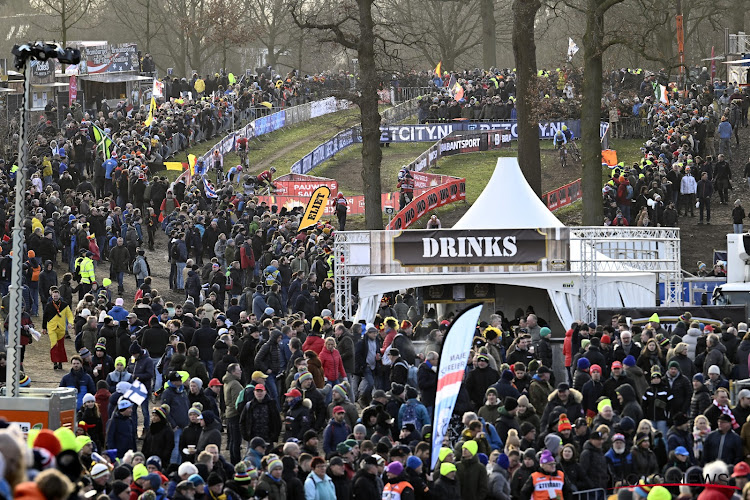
452 191
563 196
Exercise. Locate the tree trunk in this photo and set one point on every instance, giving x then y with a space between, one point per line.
148 26
370 117
593 212
489 57
524 51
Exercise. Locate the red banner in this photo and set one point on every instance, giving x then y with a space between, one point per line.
453 191
72 90
426 180
356 204
563 196
303 185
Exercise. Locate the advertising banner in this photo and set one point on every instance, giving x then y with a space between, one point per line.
563 196
109 58
435 197
456 247
453 361
315 207
72 90
42 72
326 151
303 187
356 204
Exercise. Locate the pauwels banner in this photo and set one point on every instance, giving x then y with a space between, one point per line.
315 207
453 361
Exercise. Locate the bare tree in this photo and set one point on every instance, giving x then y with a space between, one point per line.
142 19
350 23
228 26
271 24
524 51
438 30
68 14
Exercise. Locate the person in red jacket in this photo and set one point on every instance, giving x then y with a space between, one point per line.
314 341
568 351
333 367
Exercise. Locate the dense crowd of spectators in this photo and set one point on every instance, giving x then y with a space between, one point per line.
240 381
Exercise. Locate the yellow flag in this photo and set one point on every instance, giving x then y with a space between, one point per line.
191 163
151 111
315 207
173 165
437 69
266 104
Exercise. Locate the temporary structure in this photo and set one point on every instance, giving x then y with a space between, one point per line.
508 202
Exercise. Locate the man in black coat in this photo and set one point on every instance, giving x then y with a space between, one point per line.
594 353
682 389
480 379
566 397
204 339
260 417
119 257
427 379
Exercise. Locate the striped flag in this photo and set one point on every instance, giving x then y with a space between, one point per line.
437 69
137 393
103 142
210 192
458 92
151 111
453 361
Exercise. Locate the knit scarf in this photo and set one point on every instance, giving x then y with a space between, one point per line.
726 411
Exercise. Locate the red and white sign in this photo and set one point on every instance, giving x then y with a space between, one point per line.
303 185
72 90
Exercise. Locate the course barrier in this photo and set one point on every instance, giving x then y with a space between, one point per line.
272 122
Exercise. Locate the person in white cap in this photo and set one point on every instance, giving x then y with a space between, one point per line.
100 477
715 379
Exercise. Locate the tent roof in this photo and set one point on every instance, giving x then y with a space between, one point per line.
507 202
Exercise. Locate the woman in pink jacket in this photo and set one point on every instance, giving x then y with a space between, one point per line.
333 368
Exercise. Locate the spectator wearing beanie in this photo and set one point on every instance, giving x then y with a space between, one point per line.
581 374
446 486
480 379
498 483
504 387
636 374
595 354
701 398
527 413
472 475
506 419
592 391
544 349
488 412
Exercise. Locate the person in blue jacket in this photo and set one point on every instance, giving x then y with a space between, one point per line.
79 380
142 368
336 431
121 429
177 399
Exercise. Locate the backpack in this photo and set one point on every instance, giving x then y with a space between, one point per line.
726 367
35 270
410 415
174 252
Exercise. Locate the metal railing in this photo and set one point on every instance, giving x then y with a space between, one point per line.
403 94
630 127
593 494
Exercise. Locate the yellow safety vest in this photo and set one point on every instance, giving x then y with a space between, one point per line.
87 271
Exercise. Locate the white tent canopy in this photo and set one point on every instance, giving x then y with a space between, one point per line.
508 202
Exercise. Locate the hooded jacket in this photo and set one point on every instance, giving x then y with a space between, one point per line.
691 339
539 391
630 405
593 462
700 401
572 405
472 479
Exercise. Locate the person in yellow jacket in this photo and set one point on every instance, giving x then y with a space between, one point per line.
56 319
200 86
547 483
86 270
